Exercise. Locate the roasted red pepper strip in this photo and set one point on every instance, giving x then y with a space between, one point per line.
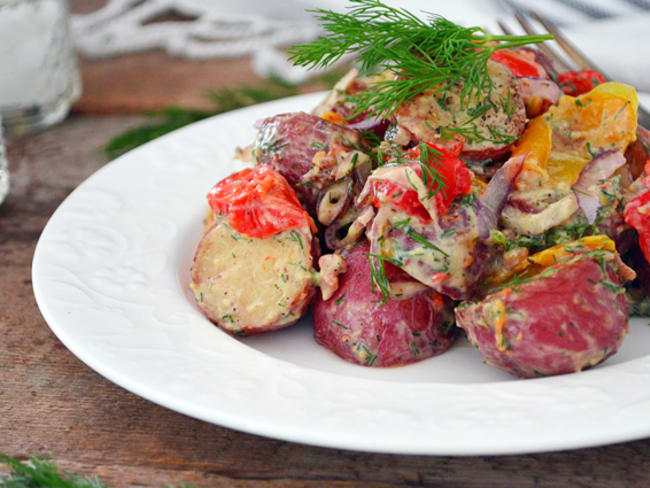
387 192
519 64
637 214
259 203
453 172
576 83
456 177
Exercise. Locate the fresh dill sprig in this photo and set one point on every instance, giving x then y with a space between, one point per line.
41 472
162 121
223 100
432 53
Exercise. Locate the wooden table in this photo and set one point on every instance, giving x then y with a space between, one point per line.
52 404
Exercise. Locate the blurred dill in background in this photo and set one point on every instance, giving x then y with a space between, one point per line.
224 100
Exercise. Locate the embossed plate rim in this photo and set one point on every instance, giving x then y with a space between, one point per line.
124 315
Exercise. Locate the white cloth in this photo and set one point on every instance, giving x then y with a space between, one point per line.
615 34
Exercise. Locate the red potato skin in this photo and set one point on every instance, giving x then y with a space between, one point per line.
297 137
494 153
356 326
560 324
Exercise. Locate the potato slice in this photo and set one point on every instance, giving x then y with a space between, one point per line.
247 285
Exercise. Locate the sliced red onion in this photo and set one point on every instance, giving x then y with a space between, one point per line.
370 123
348 228
333 201
542 88
361 174
493 199
536 224
600 168
541 59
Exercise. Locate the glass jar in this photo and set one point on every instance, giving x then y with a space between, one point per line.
4 169
39 78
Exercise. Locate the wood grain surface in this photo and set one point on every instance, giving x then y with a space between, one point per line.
52 404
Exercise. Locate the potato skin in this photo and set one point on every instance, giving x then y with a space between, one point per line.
289 142
571 317
355 325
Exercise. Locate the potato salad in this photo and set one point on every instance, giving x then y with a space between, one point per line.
453 183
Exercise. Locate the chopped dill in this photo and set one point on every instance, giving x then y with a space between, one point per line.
295 236
430 161
378 276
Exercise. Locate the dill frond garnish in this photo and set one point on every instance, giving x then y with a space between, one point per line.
432 53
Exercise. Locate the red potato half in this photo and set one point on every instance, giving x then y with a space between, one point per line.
564 319
310 152
421 118
248 285
355 325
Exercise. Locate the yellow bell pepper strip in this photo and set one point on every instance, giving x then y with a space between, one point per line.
552 255
603 118
533 264
536 144
333 117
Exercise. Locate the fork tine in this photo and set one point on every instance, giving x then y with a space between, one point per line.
504 28
574 53
552 55
580 59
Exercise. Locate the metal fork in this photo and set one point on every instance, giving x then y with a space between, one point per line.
580 60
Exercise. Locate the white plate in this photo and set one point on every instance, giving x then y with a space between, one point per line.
110 276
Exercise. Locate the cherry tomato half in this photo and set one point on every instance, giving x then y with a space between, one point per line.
520 64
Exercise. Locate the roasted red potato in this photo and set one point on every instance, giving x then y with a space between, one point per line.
555 319
248 285
438 116
310 152
413 324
